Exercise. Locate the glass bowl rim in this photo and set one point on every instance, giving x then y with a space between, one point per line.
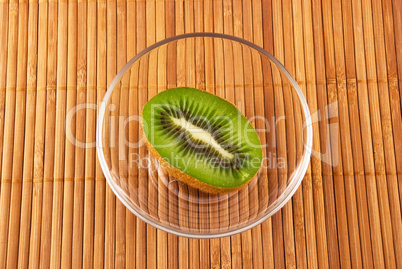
280 201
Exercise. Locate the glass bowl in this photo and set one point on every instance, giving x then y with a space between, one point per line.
236 70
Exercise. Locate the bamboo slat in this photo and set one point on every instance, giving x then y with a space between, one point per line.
287 148
396 7
90 157
397 18
130 219
7 160
100 184
161 241
183 191
37 189
28 162
133 110
80 136
56 54
121 44
141 251
267 237
260 189
19 129
4 7
55 248
67 186
57 59
111 70
152 171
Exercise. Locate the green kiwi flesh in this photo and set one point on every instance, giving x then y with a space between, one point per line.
202 135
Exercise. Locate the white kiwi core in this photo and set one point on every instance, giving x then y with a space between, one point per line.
202 135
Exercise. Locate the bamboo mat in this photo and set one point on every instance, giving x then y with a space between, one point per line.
56 209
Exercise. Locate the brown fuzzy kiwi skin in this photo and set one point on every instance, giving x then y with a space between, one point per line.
191 181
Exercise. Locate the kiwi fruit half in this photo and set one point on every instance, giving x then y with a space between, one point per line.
201 139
